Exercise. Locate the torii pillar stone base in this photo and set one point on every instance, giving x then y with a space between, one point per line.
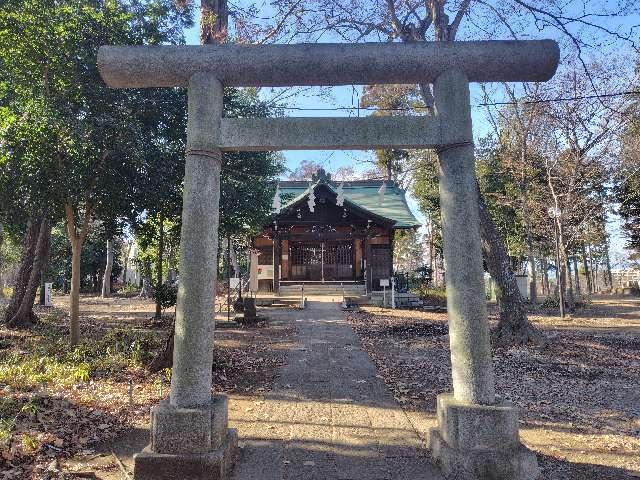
188 443
480 442
190 438
477 435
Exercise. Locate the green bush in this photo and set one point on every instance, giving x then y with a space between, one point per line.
167 294
128 289
550 302
433 295
6 427
553 302
11 409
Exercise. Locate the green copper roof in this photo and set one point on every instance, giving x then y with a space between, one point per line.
363 193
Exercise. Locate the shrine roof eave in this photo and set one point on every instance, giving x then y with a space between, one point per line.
381 220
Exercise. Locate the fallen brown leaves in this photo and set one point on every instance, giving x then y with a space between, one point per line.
579 398
57 422
247 360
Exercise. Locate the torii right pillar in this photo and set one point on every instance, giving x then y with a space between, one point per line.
477 436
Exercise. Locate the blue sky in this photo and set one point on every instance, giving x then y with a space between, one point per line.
348 96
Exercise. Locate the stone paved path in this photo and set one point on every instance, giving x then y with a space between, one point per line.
328 416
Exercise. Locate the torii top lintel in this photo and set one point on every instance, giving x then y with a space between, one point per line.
329 63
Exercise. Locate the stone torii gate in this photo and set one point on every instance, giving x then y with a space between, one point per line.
477 434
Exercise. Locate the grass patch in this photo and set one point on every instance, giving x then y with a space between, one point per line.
12 409
43 355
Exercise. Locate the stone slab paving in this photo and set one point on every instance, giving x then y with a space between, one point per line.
328 415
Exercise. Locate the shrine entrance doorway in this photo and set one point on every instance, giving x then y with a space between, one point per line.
324 261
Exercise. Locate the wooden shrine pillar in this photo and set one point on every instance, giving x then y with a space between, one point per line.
367 263
391 245
277 260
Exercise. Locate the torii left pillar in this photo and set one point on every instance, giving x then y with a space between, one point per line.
190 438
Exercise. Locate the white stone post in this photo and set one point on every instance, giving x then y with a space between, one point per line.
189 434
393 292
477 435
471 363
193 346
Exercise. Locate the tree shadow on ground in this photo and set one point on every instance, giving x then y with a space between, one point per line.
557 469
267 459
61 429
112 459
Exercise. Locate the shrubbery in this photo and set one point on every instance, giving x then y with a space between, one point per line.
45 357
433 295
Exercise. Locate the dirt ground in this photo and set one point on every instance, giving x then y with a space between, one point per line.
579 397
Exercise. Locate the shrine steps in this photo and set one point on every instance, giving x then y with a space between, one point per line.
323 289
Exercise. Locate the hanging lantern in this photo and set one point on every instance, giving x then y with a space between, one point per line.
276 205
344 213
340 197
299 214
381 190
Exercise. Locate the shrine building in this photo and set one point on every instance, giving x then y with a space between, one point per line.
330 232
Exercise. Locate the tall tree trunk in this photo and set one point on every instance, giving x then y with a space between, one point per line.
513 317
213 21
545 276
108 268
171 272
29 243
608 278
74 293
593 270
533 285
514 327
24 316
1 274
432 265
76 239
159 265
566 282
576 273
42 298
571 298
607 264
146 292
587 272
126 263
43 271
